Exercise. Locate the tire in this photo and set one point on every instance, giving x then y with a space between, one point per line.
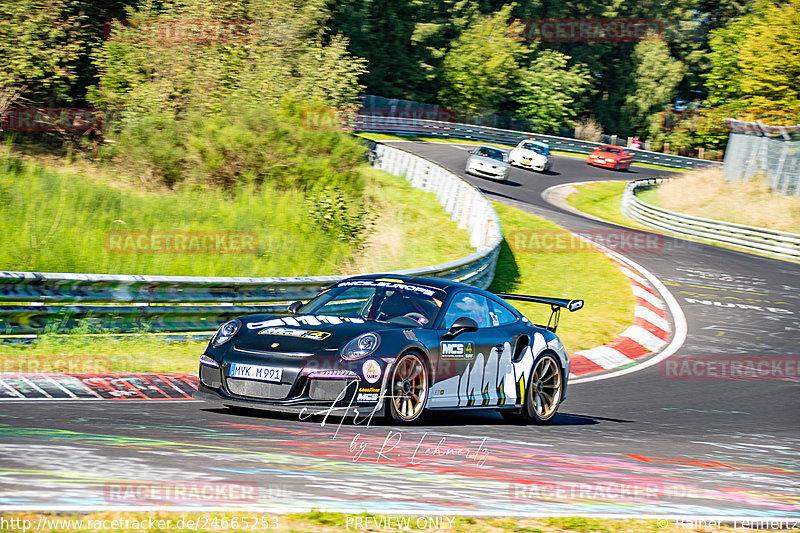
408 388
543 394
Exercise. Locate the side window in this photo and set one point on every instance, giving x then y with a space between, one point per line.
470 305
500 315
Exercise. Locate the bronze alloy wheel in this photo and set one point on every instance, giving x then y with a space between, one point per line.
544 390
409 388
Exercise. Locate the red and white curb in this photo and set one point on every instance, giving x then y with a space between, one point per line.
651 332
106 386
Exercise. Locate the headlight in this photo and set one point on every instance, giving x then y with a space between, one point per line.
361 347
206 360
226 332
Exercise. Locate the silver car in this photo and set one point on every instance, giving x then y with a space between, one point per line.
488 162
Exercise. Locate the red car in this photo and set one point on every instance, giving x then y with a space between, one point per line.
610 156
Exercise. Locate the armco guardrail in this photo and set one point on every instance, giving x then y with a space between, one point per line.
778 243
435 128
58 301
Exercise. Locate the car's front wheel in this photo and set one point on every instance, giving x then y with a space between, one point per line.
543 394
408 388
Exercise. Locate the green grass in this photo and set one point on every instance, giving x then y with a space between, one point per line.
328 522
586 275
602 200
408 232
390 137
74 223
70 225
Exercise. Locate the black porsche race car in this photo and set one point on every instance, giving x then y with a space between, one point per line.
392 345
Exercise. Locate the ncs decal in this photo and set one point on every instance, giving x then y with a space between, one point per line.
457 350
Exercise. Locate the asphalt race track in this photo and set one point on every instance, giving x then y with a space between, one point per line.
662 440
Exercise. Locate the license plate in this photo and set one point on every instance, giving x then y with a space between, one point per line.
261 373
526 162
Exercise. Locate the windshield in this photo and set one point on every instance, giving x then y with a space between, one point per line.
538 148
384 301
492 153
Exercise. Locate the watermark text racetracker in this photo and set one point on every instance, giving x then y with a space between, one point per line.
559 241
52 119
181 492
183 30
181 242
708 368
585 30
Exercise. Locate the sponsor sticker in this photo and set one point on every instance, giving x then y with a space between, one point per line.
367 397
299 333
371 370
306 320
457 350
388 285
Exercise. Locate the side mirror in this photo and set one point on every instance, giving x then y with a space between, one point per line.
294 307
460 326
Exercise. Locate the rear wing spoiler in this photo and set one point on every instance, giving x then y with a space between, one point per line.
556 305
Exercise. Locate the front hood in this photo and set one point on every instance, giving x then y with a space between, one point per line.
315 334
490 161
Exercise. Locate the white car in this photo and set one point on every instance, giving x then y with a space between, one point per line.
488 162
534 155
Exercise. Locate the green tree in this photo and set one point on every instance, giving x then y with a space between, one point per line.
480 67
656 76
39 45
548 91
283 52
769 59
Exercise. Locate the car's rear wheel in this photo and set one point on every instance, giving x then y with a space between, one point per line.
543 394
408 388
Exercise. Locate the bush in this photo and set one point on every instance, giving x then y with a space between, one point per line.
338 215
241 145
589 130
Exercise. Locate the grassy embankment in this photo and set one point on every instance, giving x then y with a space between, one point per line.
706 194
702 193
